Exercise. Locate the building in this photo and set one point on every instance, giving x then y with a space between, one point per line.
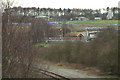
97 18
110 15
81 18
73 36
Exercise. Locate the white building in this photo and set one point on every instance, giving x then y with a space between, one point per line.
97 18
81 18
110 15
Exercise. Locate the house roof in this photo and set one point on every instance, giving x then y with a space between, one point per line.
73 34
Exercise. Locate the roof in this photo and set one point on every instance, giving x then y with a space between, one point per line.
73 34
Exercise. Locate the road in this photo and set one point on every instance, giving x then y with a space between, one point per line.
88 24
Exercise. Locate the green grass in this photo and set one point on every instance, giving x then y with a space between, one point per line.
94 21
42 44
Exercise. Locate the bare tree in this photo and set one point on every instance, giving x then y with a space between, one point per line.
40 30
17 50
66 29
6 4
16 47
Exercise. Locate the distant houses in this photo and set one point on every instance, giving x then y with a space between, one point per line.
70 14
73 36
83 36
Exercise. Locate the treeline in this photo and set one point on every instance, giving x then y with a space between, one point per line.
91 14
88 13
101 52
65 14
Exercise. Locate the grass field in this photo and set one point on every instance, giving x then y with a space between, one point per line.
95 21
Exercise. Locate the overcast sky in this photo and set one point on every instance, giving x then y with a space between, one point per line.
93 4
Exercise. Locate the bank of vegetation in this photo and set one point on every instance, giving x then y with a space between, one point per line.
102 52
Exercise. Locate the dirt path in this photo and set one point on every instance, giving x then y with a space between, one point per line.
68 73
72 73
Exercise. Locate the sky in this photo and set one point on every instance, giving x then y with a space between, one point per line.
88 4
